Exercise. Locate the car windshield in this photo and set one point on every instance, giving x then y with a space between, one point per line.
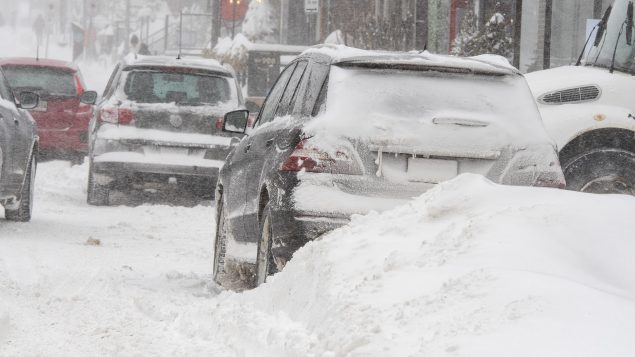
602 54
149 86
43 80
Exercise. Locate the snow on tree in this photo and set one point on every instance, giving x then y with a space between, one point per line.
468 32
260 24
493 38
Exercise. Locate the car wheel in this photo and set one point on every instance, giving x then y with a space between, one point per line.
602 171
220 244
25 207
265 265
97 195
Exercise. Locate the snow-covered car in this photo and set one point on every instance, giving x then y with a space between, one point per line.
18 152
161 119
346 131
65 108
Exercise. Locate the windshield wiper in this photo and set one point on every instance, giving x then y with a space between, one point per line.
628 24
601 27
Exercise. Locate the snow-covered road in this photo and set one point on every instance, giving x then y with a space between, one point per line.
468 269
60 294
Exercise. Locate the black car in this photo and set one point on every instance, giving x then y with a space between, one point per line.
18 153
160 120
346 131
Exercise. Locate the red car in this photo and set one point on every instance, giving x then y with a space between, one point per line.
62 116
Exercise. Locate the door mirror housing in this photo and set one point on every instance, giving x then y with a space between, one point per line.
88 97
29 100
236 122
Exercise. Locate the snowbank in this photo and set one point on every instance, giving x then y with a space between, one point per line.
468 269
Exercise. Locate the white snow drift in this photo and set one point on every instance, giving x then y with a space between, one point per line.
468 269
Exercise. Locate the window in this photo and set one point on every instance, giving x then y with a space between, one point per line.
288 98
271 104
180 88
45 81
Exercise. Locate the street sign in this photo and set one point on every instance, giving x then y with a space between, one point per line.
311 6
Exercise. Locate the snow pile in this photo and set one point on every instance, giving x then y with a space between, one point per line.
468 269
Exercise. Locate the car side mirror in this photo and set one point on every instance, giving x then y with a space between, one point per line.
88 97
236 121
29 100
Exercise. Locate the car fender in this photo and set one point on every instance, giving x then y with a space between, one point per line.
614 108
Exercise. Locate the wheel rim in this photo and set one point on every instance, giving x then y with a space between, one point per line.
610 184
263 252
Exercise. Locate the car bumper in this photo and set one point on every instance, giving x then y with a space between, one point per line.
71 139
120 164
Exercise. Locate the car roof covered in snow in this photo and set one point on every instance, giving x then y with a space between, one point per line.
209 65
41 62
352 57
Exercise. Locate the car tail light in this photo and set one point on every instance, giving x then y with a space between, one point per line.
80 88
307 158
551 180
116 116
219 123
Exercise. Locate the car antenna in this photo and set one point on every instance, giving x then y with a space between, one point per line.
628 23
178 57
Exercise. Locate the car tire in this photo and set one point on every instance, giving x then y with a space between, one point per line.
220 247
265 265
97 195
25 207
607 170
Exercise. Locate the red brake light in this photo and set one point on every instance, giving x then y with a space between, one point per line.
219 123
310 159
80 88
115 116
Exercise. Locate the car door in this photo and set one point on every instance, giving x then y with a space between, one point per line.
18 132
279 123
239 162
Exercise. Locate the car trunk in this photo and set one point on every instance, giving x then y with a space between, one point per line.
177 119
55 113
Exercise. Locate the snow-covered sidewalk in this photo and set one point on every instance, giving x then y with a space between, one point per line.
468 269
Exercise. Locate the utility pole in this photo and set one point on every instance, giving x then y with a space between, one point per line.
216 21
421 25
518 25
546 64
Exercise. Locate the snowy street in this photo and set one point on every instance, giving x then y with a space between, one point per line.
468 269
99 281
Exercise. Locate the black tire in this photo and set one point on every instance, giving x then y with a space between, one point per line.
265 265
606 171
25 207
97 195
220 242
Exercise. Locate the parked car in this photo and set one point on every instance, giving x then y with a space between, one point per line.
589 109
63 112
161 119
346 131
18 152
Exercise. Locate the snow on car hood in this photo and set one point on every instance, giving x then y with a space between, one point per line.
432 111
469 269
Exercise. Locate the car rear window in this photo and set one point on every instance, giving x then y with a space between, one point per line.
45 81
149 86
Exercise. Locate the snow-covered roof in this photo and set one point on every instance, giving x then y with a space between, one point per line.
167 61
488 64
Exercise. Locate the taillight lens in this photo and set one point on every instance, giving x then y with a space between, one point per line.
116 116
219 123
80 88
307 158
